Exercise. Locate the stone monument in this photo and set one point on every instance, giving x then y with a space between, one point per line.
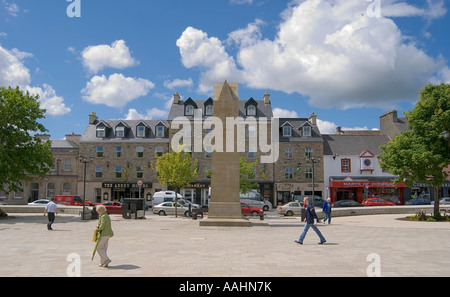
225 205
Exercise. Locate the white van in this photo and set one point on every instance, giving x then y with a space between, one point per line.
253 198
164 196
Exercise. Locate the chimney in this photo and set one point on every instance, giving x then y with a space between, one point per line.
73 138
313 119
176 98
339 130
92 118
267 98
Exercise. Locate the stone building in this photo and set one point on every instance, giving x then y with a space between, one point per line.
62 179
121 152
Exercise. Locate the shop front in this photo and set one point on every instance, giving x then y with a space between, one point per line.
118 191
366 187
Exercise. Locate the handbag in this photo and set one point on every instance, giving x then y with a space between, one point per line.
95 237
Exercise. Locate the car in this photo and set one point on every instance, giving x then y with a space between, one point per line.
318 201
112 207
166 208
444 201
186 203
290 208
254 198
419 201
164 196
71 200
40 202
347 203
377 202
248 210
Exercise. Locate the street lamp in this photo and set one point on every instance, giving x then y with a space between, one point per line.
85 160
313 160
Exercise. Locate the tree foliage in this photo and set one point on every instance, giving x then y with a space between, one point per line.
22 153
246 173
421 153
176 169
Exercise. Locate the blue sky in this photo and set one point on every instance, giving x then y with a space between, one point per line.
348 61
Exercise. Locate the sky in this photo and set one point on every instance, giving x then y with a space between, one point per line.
348 61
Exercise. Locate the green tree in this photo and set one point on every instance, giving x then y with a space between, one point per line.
421 153
246 173
177 170
22 153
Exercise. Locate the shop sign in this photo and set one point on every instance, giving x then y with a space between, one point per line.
124 185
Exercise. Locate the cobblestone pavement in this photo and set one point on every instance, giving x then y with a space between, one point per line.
176 247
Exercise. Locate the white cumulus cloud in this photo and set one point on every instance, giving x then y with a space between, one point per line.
115 90
53 103
98 57
330 51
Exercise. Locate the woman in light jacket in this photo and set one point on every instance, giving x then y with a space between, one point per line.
104 232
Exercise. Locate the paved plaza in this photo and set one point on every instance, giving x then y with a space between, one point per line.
176 247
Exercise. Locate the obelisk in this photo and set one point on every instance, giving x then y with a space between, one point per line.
225 206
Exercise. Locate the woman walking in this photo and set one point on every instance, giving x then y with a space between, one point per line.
104 232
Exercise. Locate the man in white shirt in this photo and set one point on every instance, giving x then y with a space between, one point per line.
51 209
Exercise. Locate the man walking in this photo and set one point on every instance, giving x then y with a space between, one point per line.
310 216
327 210
51 209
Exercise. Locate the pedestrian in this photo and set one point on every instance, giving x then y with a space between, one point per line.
327 210
310 216
104 232
51 209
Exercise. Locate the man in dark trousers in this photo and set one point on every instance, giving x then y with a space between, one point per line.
51 209
310 216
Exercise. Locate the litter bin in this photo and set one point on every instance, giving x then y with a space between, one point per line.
133 208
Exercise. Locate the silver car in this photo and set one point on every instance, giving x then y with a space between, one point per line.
445 201
166 208
290 209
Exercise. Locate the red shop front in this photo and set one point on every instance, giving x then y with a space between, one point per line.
358 190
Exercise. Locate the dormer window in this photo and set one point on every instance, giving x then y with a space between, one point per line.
287 131
306 131
189 106
208 107
250 107
140 131
101 131
209 110
160 131
251 110
189 110
120 131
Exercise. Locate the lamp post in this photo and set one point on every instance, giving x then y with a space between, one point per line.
313 160
85 160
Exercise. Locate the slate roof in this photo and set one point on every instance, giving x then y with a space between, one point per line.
353 144
90 134
297 124
262 109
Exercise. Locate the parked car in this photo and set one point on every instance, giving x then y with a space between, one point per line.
347 203
444 201
71 200
254 198
166 208
248 210
419 201
164 196
187 203
40 202
112 207
318 201
377 202
290 209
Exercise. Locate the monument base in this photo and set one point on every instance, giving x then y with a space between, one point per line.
217 222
